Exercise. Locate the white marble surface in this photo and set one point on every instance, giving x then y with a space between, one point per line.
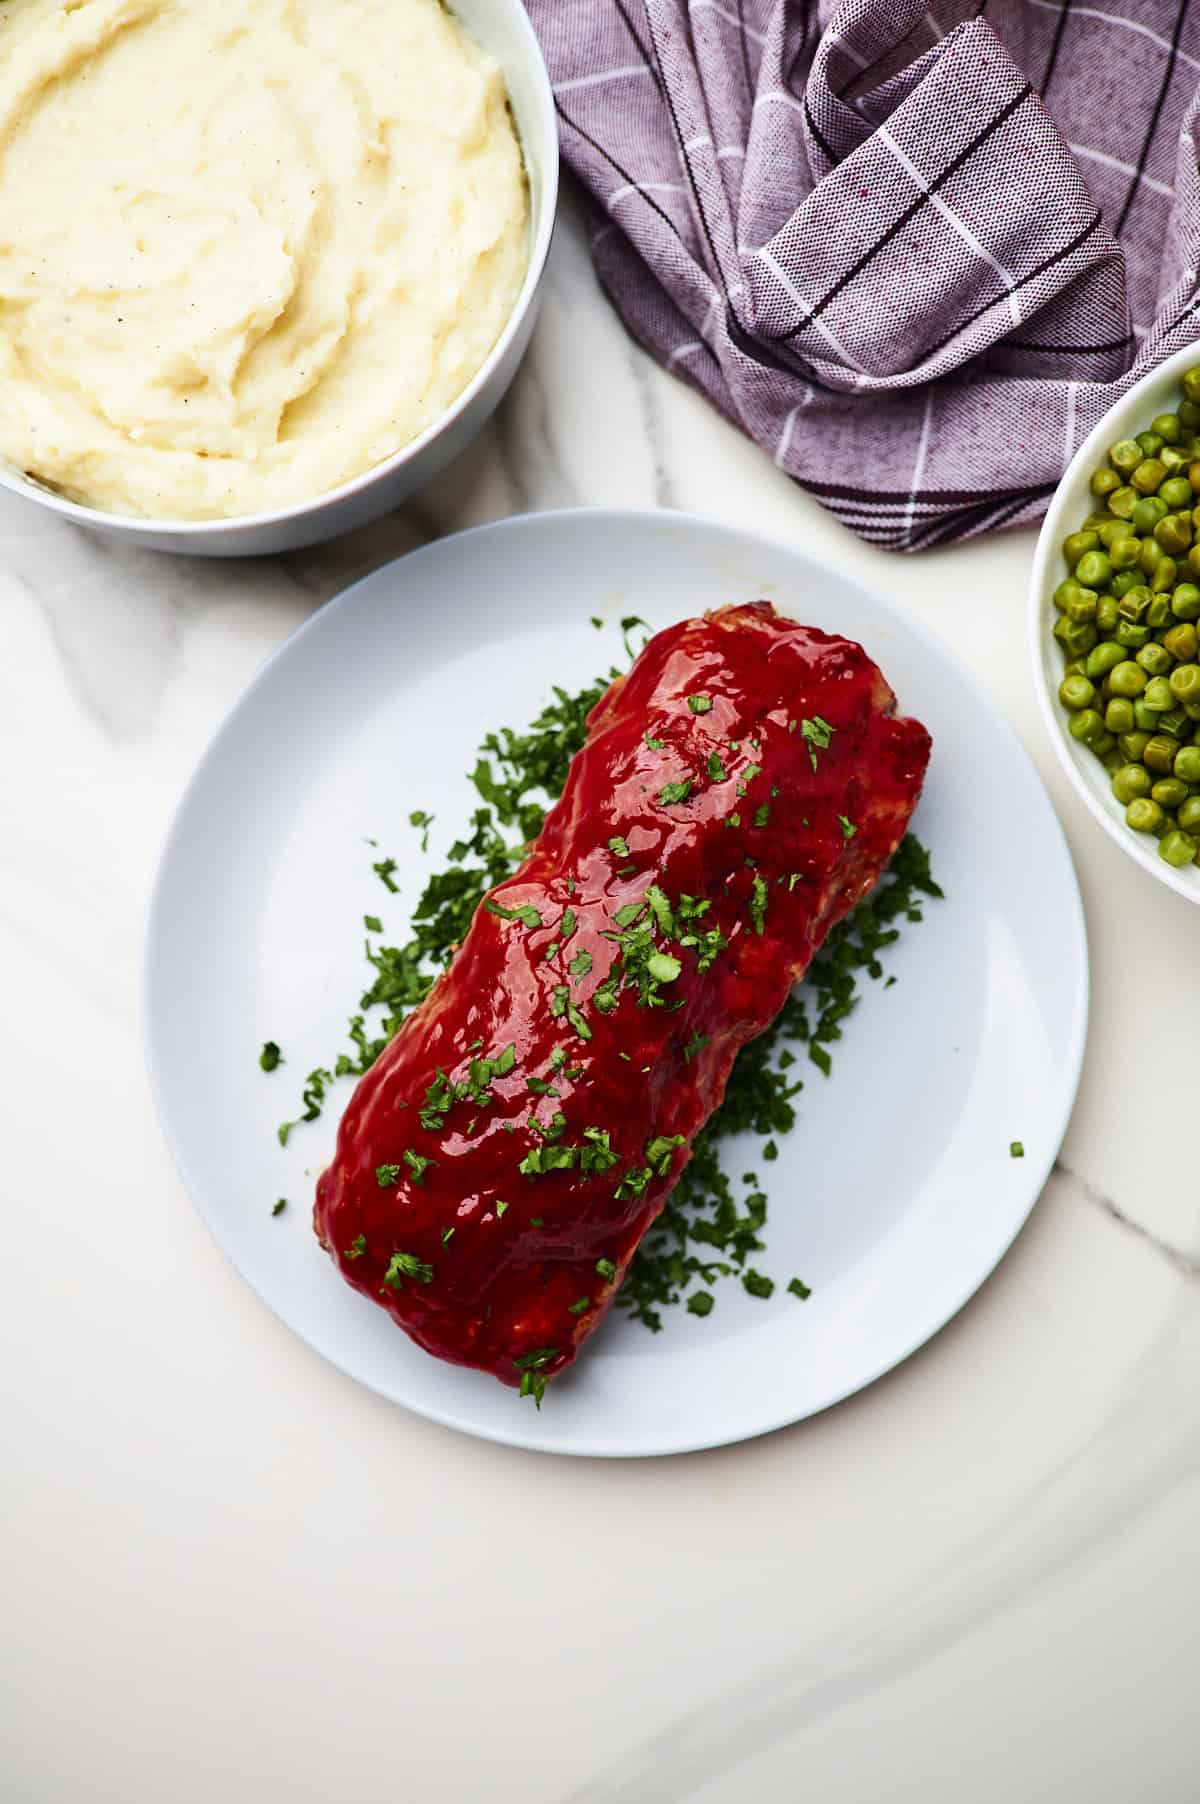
230 1574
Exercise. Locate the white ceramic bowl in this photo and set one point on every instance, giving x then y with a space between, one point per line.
502 28
1154 394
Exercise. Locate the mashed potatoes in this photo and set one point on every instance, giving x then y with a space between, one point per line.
248 248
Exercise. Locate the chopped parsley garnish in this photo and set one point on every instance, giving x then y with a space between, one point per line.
581 964
675 792
606 1270
700 1302
578 1306
372 923
758 903
407 1265
422 821
384 870
387 1175
279 1207
847 826
699 704
357 1247
620 846
418 1165
798 1288
659 1152
531 1367
447 1236
816 734
696 1044
756 1284
501 1208
597 622
628 913
656 745
270 1058
627 626
762 814
1016 1149
527 914
716 769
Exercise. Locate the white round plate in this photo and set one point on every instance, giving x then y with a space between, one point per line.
895 1194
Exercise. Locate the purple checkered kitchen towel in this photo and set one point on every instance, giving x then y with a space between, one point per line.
913 251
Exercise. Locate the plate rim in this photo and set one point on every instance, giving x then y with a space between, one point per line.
671 521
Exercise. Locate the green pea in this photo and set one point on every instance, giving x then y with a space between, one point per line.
1130 782
1178 848
1184 682
1083 606
1169 792
1190 384
1158 695
1103 743
1145 516
1118 715
1111 760
1144 719
1130 636
1145 479
1182 641
1163 579
1103 659
1076 543
1189 416
1176 491
1191 711
1107 612
1132 745
1174 721
1085 726
1151 556
1076 692
1125 455
1187 764
1122 503
1123 553
1188 816
1185 602
1145 816
1109 530
1158 754
1193 560
1135 602
1173 533
1150 443
1067 588
1155 659
1075 636
1104 482
1175 459
1125 677
1158 614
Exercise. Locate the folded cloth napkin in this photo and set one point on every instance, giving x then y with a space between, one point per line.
913 251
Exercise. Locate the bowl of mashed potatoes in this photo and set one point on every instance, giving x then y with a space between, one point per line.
265 269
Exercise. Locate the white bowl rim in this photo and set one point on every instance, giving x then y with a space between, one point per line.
137 526
1044 579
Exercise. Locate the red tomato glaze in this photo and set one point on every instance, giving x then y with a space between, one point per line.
800 780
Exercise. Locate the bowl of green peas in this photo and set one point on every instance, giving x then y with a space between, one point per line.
1115 622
